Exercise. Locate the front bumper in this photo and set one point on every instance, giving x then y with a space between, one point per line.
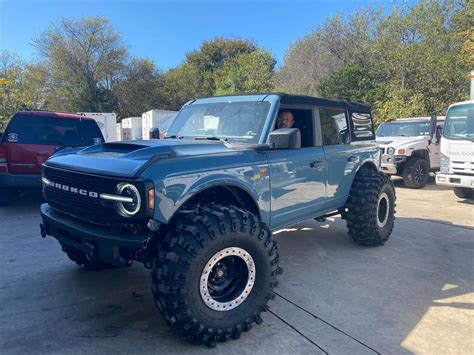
82 235
20 181
455 180
390 164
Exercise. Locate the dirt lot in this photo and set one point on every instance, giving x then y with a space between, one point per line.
413 295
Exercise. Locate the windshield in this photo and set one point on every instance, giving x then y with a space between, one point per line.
403 129
460 122
31 129
232 121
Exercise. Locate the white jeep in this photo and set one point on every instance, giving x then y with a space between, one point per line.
411 148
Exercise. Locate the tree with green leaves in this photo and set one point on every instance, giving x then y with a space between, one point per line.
179 85
138 90
246 73
219 66
11 77
22 86
213 55
83 59
410 61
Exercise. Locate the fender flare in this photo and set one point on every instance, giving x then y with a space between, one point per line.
216 181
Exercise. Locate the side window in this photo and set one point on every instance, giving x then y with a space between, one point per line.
362 126
334 126
301 119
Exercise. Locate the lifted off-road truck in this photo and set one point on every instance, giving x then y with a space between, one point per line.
411 148
198 208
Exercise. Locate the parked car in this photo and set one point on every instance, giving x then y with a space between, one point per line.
30 138
411 148
198 208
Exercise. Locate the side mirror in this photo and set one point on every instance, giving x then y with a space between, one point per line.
154 133
285 138
433 124
438 133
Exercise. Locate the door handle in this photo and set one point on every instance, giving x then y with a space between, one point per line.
353 159
316 164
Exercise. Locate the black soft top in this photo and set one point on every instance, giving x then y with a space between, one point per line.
289 99
305 100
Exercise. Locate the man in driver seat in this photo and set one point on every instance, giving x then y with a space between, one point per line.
285 119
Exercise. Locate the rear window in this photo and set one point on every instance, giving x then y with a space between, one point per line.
362 127
31 129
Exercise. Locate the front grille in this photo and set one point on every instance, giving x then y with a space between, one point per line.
463 173
79 205
463 168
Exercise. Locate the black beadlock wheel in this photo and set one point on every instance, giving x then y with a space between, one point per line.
80 258
371 209
416 173
215 272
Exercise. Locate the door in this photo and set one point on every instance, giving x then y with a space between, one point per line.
297 176
341 157
435 148
297 181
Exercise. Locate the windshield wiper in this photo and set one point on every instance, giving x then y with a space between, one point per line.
174 136
210 138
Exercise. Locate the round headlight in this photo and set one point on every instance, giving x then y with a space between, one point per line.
390 150
128 209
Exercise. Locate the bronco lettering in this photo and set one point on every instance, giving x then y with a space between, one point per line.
74 190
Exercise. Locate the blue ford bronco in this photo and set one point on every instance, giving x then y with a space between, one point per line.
198 207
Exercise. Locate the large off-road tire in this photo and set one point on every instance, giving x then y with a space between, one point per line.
416 173
80 258
7 196
464 192
215 272
371 209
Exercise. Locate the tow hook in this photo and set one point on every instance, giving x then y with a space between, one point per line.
90 253
146 254
43 230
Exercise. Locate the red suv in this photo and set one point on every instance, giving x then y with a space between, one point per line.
31 138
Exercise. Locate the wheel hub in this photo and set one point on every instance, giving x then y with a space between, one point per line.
227 279
419 174
383 208
220 273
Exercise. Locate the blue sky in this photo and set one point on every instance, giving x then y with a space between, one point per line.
164 30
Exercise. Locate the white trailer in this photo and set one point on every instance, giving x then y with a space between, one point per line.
106 122
132 128
118 126
160 119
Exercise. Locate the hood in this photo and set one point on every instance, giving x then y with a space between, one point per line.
129 159
399 141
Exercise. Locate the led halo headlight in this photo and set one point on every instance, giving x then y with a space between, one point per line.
126 209
390 150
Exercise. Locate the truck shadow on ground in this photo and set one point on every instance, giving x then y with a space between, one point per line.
414 293
25 203
409 292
